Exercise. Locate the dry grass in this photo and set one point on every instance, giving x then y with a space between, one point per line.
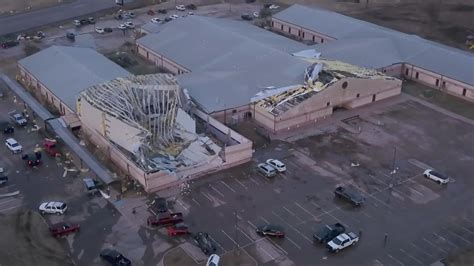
8 7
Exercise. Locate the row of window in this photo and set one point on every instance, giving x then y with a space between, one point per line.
301 33
417 75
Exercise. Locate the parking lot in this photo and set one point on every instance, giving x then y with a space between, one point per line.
406 219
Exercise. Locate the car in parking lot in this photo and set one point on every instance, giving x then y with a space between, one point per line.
166 218
53 207
342 241
350 195
76 23
266 170
63 228
270 230
180 7
8 44
328 233
122 27
107 29
213 260
436 176
129 25
278 165
273 7
155 20
191 6
13 145
17 118
3 178
174 16
162 11
115 258
159 205
246 16
204 242
6 128
178 229
71 36
99 30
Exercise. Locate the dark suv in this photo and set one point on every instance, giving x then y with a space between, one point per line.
328 233
350 195
203 240
6 128
159 205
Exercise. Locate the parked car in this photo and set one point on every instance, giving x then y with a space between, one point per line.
190 13
279 166
274 7
436 176
349 195
191 6
162 11
77 23
107 29
6 128
92 185
71 36
3 178
17 118
63 229
168 19
99 30
13 145
2 93
53 207
114 258
178 230
270 230
159 205
256 14
91 20
246 17
342 241
174 16
328 233
84 21
266 170
155 20
180 7
213 260
129 15
122 27
129 25
205 243
165 219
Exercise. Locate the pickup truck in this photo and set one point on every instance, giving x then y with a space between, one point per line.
17 118
165 219
342 241
350 195
328 233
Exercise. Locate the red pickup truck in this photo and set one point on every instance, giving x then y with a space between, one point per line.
178 229
63 229
166 218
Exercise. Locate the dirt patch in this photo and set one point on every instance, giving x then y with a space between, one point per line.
11 7
26 241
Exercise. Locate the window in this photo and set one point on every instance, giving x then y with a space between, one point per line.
344 85
234 111
273 24
147 55
373 97
406 71
322 40
417 75
328 103
444 84
281 27
313 38
384 71
289 29
464 92
358 95
302 34
437 82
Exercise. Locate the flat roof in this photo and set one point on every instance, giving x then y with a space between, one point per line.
230 61
67 71
369 45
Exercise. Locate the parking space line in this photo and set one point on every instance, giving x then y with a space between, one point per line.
247 236
266 252
216 190
446 240
455 234
366 214
249 222
327 212
292 227
215 241
11 208
399 262
301 207
411 256
422 251
8 200
278 246
255 181
433 245
263 219
230 238
467 230
290 212
227 186
206 196
236 180
293 242
182 205
195 201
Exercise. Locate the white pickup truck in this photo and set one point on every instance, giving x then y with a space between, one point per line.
342 241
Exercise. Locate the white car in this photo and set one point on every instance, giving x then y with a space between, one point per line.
174 16
436 176
53 207
122 27
190 13
213 260
180 7
129 25
266 170
281 167
342 241
155 20
255 14
99 30
13 145
274 7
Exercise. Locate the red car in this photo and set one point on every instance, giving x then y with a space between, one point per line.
178 229
166 218
63 229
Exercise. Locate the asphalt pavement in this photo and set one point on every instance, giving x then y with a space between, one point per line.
41 17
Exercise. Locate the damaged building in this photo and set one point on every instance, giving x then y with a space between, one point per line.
145 126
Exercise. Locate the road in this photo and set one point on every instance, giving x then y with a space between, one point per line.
41 17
